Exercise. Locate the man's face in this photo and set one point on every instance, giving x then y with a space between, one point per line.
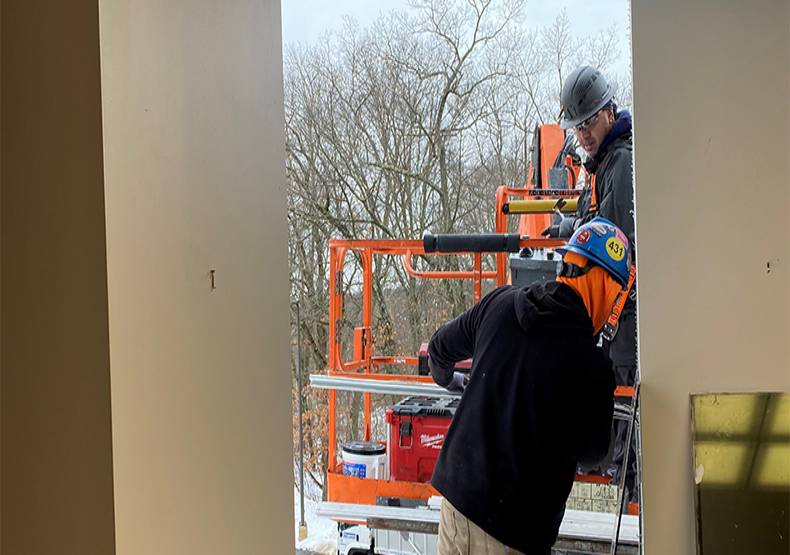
592 131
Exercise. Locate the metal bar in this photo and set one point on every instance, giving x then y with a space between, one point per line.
594 479
638 430
398 525
539 206
623 472
397 359
440 274
331 458
533 192
411 378
442 243
584 525
399 247
349 366
500 226
590 547
367 399
361 513
551 192
299 393
335 296
337 383
412 244
367 320
598 526
395 386
478 281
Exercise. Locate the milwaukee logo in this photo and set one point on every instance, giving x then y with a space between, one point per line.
434 442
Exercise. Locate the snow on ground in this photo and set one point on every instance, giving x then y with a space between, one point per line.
321 532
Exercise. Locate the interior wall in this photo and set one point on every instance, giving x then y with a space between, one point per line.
712 139
195 187
1 275
57 490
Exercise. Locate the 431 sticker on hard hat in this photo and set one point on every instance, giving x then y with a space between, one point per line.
615 248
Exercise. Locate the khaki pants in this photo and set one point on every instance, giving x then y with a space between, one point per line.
460 536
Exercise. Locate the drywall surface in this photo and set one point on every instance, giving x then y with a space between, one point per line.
197 276
57 494
711 128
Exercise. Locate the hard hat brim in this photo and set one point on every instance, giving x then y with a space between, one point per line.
622 280
571 123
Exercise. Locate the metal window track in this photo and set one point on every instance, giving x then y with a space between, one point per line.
366 385
355 512
577 525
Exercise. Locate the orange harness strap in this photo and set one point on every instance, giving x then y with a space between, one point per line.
610 328
594 192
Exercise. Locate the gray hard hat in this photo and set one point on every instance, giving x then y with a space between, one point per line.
584 92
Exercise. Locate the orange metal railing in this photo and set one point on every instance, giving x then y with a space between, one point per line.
365 364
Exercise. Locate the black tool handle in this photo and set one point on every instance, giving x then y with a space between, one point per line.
471 242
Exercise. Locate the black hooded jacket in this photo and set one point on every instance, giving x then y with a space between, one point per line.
539 400
613 168
614 183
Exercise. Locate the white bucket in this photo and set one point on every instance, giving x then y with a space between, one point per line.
364 459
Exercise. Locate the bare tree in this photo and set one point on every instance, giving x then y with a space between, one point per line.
403 127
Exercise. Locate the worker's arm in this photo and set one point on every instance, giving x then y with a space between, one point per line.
452 343
569 224
617 201
564 225
596 408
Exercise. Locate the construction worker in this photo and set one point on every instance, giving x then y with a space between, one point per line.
604 133
537 401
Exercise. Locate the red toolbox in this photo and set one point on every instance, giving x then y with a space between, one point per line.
417 428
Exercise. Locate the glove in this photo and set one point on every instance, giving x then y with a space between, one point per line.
458 383
560 227
551 231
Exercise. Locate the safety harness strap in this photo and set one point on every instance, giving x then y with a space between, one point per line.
610 328
593 196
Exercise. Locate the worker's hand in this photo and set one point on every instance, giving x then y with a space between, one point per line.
554 229
551 231
458 383
560 227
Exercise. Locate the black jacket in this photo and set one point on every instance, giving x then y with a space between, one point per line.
613 167
614 182
538 401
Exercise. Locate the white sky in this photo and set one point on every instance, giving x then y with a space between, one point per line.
305 20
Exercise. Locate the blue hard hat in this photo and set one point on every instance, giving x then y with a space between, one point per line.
604 244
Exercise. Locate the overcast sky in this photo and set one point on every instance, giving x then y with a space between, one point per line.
305 20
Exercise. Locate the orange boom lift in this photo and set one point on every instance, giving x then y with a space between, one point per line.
553 173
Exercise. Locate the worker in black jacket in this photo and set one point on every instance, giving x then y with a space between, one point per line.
538 399
605 134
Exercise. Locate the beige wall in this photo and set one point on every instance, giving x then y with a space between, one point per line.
142 411
712 128
194 180
57 494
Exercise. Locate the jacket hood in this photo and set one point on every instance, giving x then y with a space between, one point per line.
551 306
621 129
